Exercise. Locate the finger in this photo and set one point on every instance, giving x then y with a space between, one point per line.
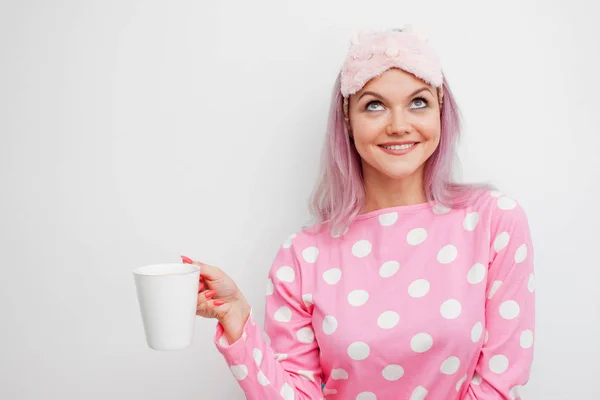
208 271
205 297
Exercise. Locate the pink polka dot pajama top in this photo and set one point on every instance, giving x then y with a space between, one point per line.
411 302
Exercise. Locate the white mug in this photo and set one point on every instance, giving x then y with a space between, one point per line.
167 296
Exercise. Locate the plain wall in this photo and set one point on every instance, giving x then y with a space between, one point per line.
136 131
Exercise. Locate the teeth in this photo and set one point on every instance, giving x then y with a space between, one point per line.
400 146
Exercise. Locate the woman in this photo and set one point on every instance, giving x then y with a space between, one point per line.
409 286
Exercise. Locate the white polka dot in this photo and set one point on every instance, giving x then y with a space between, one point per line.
308 375
280 356
495 286
388 219
223 341
521 253
419 288
506 203
421 342
393 372
389 268
476 380
307 298
310 254
498 364
305 335
531 283
287 392
450 309
239 371
270 287
262 379
419 393
470 222
258 356
447 254
288 242
266 337
501 241
366 396
476 274
526 339
416 236
357 298
244 336
283 314
476 332
359 351
460 382
338 373
332 276
515 392
361 249
388 320
450 365
509 309
286 274
495 193
440 209
330 325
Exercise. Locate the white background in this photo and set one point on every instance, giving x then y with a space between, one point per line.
133 132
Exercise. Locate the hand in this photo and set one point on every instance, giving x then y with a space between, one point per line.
219 297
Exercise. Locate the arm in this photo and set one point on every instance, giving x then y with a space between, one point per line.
505 359
288 367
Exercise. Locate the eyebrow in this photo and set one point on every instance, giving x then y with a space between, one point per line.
381 97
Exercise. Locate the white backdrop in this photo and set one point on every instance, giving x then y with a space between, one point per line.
136 131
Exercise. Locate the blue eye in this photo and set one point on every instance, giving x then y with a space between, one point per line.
371 102
420 100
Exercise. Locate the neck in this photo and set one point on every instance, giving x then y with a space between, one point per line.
381 191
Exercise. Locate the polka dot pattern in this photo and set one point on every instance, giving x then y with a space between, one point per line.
398 289
389 269
388 320
358 297
419 288
421 342
388 219
361 249
393 372
498 364
416 236
359 351
447 254
470 221
310 254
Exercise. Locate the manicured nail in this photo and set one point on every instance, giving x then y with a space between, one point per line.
201 288
186 260
218 303
209 293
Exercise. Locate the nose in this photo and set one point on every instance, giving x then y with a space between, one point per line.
399 123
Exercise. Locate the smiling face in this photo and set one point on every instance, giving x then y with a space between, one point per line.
395 124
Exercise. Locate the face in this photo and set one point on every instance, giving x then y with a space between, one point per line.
395 123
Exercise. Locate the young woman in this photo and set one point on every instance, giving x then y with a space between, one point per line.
409 286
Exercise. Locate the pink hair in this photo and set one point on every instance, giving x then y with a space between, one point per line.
339 195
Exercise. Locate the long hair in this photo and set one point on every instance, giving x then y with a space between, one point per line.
339 194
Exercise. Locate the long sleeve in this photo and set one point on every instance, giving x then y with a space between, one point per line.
507 353
283 362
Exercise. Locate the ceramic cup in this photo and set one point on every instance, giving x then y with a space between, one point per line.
167 296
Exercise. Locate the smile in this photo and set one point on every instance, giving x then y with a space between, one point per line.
399 149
